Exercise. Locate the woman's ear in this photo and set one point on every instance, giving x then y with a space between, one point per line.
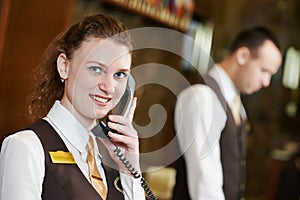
242 55
62 63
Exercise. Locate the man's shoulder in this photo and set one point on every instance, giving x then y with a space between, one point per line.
197 89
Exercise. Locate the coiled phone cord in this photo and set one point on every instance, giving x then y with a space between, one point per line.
101 130
133 171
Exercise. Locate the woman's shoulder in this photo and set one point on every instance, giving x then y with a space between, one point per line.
24 138
22 135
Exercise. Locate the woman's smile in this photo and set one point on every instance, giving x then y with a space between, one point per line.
101 100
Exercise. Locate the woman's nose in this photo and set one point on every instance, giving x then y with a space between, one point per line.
106 84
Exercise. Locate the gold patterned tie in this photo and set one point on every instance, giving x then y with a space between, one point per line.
94 175
236 109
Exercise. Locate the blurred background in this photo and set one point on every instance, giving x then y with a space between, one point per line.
26 27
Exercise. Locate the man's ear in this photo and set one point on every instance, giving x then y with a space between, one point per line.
62 63
242 55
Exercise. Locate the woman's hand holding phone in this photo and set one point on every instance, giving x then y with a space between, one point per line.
126 138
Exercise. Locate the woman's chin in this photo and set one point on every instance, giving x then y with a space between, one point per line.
101 115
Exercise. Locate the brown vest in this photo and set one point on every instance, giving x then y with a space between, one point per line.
233 150
66 181
233 155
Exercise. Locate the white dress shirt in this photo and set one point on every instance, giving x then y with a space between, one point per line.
199 121
22 160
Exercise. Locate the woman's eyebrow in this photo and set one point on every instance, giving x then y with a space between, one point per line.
124 70
98 63
104 66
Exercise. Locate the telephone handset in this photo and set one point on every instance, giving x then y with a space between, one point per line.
101 130
122 108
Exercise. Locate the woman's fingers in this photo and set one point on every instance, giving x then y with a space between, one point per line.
132 109
125 128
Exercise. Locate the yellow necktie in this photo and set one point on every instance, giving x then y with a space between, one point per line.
236 109
95 177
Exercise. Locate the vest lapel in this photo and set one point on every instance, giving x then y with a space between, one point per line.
66 181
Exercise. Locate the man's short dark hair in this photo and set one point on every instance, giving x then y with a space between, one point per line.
254 38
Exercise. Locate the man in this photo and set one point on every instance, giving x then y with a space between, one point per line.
210 133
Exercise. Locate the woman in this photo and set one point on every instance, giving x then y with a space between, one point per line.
82 77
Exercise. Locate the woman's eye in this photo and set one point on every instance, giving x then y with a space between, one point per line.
120 75
95 69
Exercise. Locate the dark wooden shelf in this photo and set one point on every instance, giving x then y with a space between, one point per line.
160 15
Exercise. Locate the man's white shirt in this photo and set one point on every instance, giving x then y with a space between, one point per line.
199 121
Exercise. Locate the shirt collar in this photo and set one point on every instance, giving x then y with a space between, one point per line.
68 126
224 82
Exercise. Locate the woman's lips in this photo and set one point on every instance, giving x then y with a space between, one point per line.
100 99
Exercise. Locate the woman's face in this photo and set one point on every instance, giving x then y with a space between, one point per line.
95 78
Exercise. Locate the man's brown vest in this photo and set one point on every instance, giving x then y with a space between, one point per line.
66 181
233 154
